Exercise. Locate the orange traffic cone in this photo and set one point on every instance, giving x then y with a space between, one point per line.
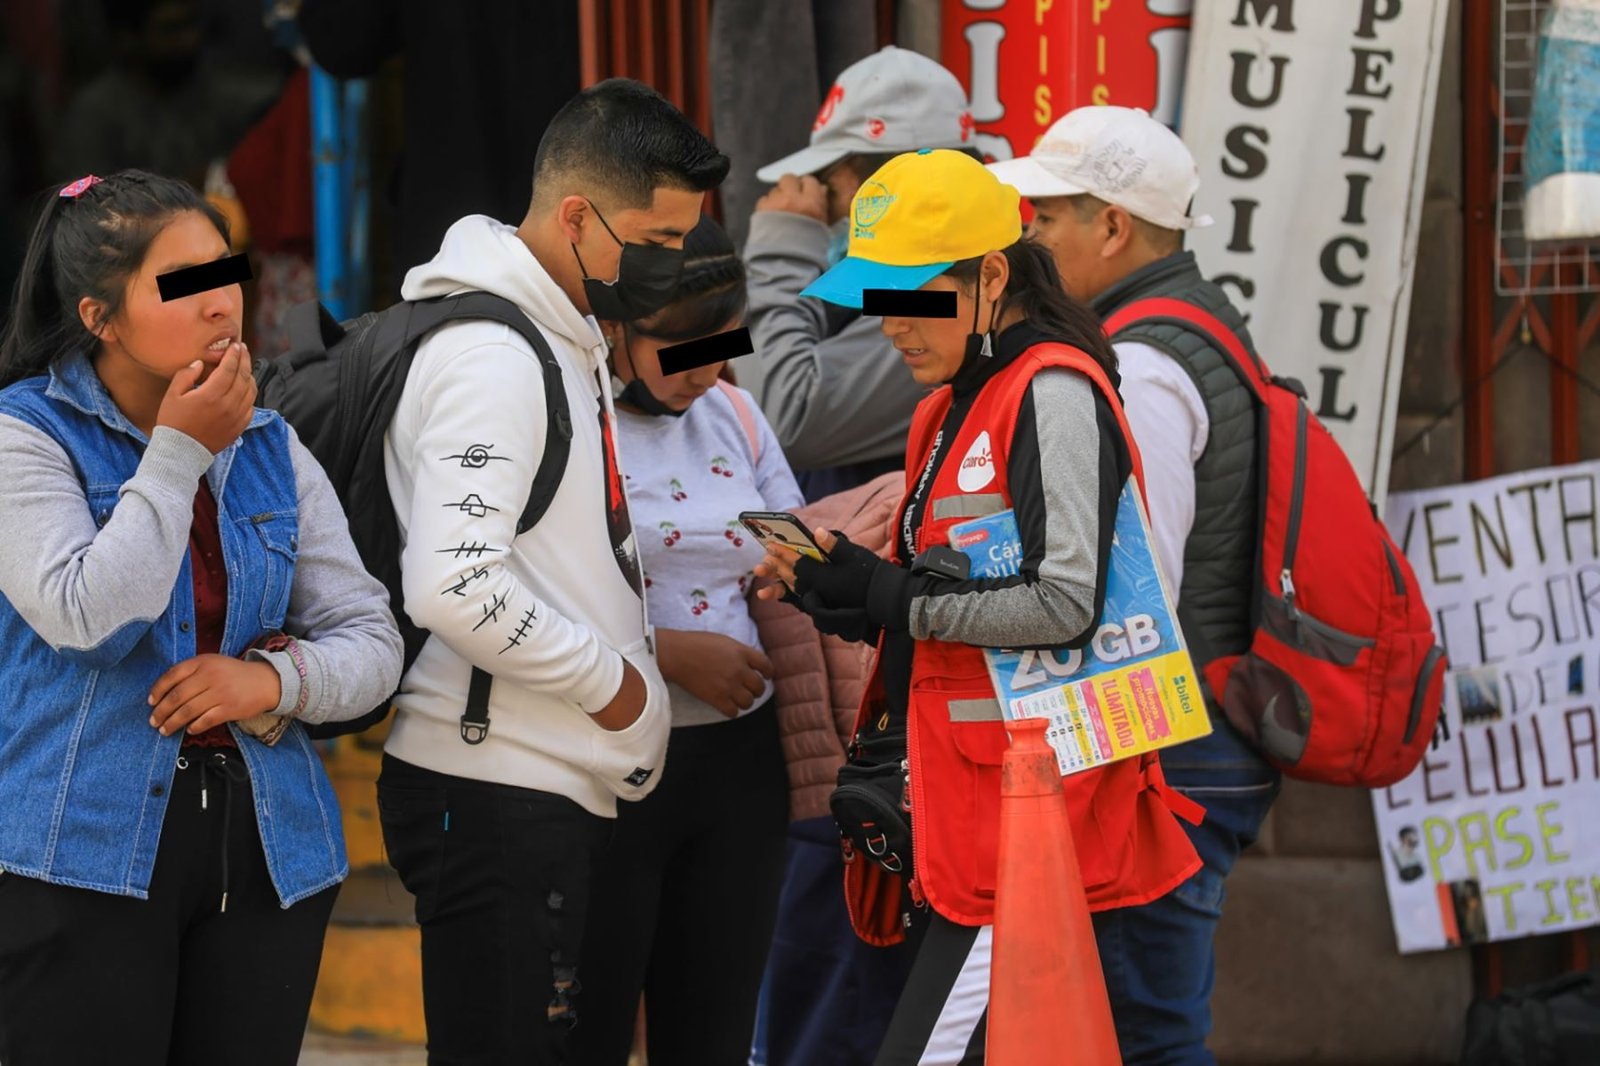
1047 997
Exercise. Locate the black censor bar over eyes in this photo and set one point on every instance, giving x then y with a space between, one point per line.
716 348
908 303
176 284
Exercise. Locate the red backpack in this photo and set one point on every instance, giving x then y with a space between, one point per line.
1343 681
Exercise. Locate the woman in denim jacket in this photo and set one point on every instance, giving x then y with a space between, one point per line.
178 595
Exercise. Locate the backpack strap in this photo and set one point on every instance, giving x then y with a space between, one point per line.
311 328
1247 367
1246 364
428 315
746 419
475 718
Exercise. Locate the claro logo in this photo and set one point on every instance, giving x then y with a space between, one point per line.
977 468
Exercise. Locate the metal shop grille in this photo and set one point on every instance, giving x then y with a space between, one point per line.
1524 267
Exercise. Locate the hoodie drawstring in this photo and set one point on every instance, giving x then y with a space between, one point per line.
229 772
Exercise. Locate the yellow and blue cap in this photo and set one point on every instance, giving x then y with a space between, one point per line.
917 215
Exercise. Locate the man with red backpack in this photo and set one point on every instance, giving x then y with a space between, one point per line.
1335 676
1110 189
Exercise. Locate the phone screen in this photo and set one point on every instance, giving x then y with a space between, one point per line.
782 529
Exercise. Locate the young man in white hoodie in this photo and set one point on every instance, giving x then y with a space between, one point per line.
495 834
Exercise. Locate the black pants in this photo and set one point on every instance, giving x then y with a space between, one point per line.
830 995
942 1016
686 899
90 978
501 878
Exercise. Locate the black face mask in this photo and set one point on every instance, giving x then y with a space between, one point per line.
979 345
637 394
647 279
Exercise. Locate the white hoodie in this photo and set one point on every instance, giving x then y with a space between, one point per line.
551 613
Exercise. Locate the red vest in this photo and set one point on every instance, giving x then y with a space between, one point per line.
1122 816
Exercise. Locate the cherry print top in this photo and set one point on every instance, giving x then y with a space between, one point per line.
688 479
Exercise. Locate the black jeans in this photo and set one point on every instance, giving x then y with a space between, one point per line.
88 977
685 901
501 878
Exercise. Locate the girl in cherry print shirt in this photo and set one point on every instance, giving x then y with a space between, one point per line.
687 895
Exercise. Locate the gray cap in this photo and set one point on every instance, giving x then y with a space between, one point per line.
891 102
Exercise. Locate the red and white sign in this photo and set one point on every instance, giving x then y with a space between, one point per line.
1026 63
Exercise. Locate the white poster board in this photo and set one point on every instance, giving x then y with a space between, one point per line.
1497 834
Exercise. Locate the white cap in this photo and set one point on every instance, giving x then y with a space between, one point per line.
1118 154
891 102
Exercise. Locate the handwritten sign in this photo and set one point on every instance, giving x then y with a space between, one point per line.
1497 834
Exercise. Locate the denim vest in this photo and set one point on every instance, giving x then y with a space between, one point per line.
84 779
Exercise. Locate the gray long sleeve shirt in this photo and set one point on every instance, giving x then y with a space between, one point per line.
833 387
77 583
1065 498
1064 470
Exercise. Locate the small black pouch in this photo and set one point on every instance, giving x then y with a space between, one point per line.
872 803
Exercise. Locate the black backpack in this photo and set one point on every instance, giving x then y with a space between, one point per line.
1553 1023
339 385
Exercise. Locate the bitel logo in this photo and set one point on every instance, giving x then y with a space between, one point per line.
977 469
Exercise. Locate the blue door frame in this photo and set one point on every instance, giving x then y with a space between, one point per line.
341 186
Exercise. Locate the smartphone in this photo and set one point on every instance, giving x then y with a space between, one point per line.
777 527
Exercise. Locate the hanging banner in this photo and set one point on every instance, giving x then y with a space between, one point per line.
1025 63
1311 125
1495 835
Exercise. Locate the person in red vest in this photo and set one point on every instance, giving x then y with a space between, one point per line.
1023 415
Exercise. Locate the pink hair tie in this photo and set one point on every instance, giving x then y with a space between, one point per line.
79 187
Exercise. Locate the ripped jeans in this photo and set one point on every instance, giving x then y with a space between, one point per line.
501 877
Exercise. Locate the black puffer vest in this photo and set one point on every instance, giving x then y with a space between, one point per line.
1219 558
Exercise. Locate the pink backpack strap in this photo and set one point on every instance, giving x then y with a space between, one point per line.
747 419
